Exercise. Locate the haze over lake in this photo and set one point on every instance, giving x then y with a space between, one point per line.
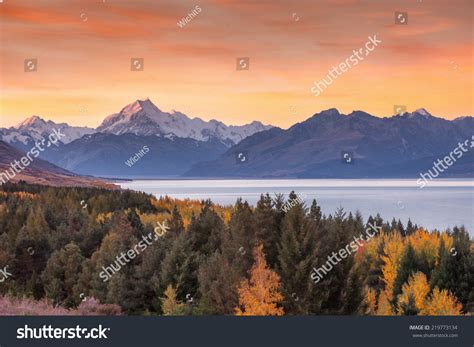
441 204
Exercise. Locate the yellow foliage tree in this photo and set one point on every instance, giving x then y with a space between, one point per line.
384 308
427 244
370 301
186 208
393 249
441 303
417 287
260 295
170 305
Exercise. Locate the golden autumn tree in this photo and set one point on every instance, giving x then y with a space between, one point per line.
394 249
441 303
418 288
426 245
384 308
170 305
370 301
260 295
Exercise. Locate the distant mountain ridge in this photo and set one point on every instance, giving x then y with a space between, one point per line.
25 134
176 142
106 155
399 146
141 118
402 145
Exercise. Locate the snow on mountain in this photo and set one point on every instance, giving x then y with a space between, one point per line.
423 112
34 128
142 117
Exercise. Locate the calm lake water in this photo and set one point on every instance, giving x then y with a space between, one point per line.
441 204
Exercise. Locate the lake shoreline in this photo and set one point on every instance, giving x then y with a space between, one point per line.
442 204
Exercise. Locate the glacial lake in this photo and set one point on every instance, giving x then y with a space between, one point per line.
441 204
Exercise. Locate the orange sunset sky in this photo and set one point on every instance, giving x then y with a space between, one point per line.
84 50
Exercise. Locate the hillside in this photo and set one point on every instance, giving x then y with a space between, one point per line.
42 172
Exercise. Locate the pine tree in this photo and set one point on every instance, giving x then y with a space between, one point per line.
61 274
179 267
32 247
400 228
410 228
296 257
315 212
353 296
267 230
219 278
374 266
220 274
455 271
242 236
206 230
333 288
409 308
176 223
407 267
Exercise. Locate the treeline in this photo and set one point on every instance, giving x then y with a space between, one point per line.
224 260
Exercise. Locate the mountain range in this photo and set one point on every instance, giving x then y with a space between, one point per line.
357 145
25 134
327 145
175 141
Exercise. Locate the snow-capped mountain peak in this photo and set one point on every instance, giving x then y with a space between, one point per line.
34 128
423 112
31 121
146 105
142 117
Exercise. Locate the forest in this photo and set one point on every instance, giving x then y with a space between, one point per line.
219 260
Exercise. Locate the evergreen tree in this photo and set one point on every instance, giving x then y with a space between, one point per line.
221 273
267 230
353 296
409 308
176 223
179 267
296 257
61 274
410 228
408 266
219 278
456 268
333 286
206 231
